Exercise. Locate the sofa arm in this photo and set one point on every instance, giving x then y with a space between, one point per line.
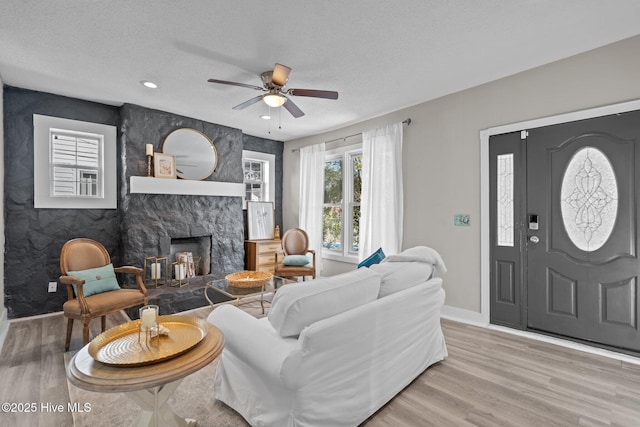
257 344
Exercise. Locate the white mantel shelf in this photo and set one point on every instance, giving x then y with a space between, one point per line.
146 185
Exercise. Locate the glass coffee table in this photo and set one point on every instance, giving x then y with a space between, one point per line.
221 286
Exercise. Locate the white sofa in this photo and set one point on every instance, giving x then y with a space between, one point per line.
334 350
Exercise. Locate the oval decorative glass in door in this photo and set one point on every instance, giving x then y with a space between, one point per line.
589 199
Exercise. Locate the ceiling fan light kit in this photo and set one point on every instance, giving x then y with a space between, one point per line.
274 100
273 82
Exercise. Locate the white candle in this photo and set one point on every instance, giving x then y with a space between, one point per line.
149 149
155 271
180 271
148 317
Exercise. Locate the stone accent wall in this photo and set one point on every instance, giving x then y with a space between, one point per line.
34 237
143 224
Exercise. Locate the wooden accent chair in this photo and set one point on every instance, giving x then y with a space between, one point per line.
295 241
83 254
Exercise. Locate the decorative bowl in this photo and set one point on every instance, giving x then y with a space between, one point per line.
248 279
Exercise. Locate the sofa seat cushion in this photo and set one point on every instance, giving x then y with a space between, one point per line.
299 305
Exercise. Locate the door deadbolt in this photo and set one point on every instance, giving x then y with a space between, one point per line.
534 239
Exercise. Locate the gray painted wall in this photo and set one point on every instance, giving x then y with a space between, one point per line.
441 152
4 323
34 237
253 143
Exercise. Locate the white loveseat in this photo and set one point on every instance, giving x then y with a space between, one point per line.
334 350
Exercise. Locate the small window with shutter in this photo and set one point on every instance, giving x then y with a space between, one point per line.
76 164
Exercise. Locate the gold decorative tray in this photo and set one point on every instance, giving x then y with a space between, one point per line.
248 279
124 346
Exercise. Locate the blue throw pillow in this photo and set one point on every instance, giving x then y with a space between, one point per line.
96 280
295 260
374 258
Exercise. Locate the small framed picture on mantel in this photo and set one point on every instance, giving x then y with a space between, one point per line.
164 165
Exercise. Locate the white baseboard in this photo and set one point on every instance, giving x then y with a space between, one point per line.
477 319
464 316
4 326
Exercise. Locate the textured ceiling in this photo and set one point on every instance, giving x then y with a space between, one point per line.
379 55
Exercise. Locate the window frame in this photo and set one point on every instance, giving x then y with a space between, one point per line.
346 154
43 129
270 183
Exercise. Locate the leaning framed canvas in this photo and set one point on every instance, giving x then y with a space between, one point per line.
260 219
164 165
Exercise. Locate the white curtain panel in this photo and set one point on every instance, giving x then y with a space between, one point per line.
311 196
382 194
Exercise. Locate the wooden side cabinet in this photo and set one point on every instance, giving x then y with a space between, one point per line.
260 255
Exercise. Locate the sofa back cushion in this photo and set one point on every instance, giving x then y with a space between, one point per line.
397 276
299 305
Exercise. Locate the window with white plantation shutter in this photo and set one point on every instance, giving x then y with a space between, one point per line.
75 164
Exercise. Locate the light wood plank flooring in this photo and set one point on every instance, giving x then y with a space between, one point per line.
490 378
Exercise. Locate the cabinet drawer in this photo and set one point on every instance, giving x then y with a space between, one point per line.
268 258
270 247
261 254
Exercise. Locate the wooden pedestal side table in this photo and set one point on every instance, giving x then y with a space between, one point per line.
150 386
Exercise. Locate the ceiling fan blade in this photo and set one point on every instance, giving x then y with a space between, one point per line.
224 82
327 94
245 104
293 108
280 74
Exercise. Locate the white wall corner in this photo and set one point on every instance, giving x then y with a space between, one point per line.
464 316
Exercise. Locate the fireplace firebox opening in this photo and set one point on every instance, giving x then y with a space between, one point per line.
199 247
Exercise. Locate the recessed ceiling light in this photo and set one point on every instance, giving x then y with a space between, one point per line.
265 117
150 85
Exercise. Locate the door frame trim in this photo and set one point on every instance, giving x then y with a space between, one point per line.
485 262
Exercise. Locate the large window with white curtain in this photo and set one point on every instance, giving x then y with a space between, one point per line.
341 207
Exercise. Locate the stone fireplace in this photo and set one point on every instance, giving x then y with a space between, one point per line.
210 225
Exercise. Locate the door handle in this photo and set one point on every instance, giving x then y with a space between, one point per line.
534 239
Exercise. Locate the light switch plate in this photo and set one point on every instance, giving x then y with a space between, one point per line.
461 220
53 286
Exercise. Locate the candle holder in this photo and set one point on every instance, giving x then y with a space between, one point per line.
148 323
179 269
149 153
156 275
